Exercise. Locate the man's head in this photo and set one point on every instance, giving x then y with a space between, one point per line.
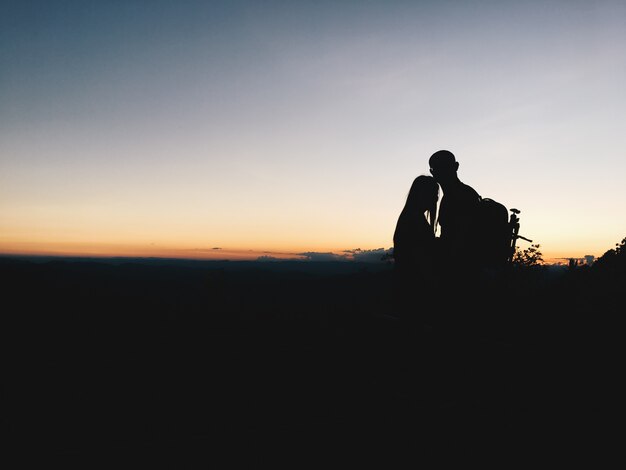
443 166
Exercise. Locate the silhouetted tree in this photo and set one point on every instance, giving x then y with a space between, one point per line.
531 256
573 263
613 261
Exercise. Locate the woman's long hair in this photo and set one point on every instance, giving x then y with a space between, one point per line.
421 184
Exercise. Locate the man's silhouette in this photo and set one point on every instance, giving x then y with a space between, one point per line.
458 203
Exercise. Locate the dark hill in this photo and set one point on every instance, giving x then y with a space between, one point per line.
258 361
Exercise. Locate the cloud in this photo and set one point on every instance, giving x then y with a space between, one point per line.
317 256
377 255
202 250
269 258
369 256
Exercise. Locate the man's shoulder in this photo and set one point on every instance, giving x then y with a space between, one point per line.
468 193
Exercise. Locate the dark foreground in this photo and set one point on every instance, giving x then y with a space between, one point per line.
258 364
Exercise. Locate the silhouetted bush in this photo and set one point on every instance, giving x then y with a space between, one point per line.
613 262
531 256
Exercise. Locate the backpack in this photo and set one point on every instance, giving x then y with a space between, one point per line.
491 234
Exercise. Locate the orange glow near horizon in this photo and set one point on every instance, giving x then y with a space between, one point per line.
111 250
104 250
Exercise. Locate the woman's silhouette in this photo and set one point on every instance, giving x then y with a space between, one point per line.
414 237
415 268
414 246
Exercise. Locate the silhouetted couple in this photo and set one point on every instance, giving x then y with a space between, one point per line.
423 260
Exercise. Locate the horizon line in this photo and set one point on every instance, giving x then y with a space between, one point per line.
326 257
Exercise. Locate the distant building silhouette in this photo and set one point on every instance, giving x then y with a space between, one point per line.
586 260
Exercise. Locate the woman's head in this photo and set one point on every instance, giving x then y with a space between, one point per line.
423 196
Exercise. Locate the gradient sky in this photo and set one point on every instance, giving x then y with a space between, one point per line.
173 128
